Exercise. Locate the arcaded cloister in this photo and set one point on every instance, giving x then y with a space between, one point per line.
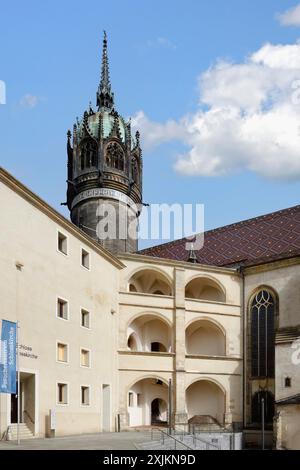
180 326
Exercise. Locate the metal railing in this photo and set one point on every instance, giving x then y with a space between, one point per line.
165 435
197 441
179 436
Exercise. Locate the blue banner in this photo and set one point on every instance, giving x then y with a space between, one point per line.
8 357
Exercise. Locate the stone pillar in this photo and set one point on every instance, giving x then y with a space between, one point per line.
180 415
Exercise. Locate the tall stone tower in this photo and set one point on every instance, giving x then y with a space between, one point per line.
104 193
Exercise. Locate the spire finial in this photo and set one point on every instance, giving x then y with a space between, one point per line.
105 97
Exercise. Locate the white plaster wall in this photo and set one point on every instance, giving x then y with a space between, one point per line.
29 236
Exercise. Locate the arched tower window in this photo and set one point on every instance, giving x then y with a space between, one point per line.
88 154
115 156
134 171
263 335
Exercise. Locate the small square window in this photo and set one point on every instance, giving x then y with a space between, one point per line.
62 309
62 352
85 395
287 382
62 394
85 259
130 399
85 318
62 243
85 359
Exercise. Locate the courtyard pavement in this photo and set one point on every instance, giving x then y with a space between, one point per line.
103 441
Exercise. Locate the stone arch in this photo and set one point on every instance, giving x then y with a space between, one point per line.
148 280
205 336
140 396
206 402
205 288
152 332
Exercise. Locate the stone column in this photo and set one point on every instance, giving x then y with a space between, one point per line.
180 415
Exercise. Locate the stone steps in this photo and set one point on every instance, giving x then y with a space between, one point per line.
25 432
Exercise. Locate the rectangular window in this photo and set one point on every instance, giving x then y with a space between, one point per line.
130 399
85 258
85 395
62 394
85 359
287 382
85 318
62 243
62 352
62 309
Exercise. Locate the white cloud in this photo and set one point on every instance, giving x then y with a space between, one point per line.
29 101
248 118
290 17
161 42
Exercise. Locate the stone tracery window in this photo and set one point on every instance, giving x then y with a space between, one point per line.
88 154
262 335
115 156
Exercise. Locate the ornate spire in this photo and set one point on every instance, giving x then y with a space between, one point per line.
105 97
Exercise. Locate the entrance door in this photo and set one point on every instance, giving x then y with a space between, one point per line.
14 409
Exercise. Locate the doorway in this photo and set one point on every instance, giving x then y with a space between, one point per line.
158 412
27 401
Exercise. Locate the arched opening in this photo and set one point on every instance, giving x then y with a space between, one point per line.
202 288
147 402
150 334
263 335
263 400
114 156
159 412
205 338
205 402
149 281
88 154
158 347
132 342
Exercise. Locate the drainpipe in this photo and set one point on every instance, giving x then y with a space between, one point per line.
241 271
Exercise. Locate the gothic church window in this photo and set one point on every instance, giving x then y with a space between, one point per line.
262 335
115 156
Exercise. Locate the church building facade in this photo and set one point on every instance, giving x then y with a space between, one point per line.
109 336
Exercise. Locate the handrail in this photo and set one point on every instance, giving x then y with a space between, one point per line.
195 438
163 433
28 415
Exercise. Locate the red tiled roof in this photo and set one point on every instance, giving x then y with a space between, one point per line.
254 241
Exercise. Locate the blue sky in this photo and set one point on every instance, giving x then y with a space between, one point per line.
50 62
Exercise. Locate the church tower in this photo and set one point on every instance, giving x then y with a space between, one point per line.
104 193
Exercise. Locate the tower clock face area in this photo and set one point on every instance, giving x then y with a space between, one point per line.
105 171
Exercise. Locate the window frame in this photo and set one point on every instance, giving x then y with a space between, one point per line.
82 348
58 233
58 297
80 397
67 384
68 356
80 319
83 249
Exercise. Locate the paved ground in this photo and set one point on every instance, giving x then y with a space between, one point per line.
103 441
